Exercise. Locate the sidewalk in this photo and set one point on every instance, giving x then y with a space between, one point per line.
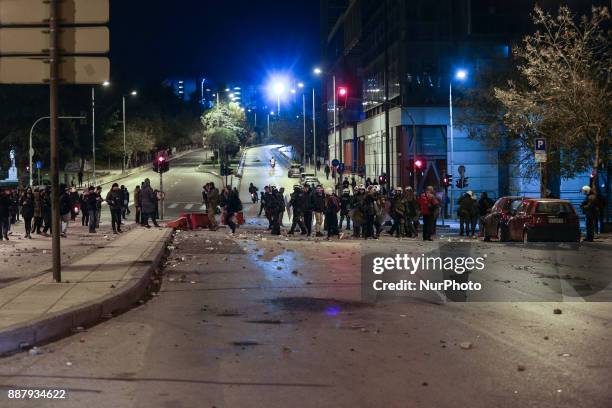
107 280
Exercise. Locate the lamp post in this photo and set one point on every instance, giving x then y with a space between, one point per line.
314 132
301 86
319 71
460 75
124 161
271 113
278 89
31 134
105 84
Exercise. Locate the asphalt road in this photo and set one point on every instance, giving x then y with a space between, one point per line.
261 321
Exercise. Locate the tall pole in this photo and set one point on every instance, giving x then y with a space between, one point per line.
268 133
452 141
53 102
123 162
93 132
304 120
255 121
387 145
314 132
278 104
335 140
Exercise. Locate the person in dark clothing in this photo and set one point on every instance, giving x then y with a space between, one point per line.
27 211
5 205
327 171
91 202
332 206
368 209
297 204
99 209
84 209
233 205
368 182
353 183
80 176
484 207
65 206
602 204
345 184
148 201
589 208
467 207
37 212
318 165
74 200
275 206
114 199
308 206
45 197
125 202
14 209
137 205
345 204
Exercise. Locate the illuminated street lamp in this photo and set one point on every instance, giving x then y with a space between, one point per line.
278 89
123 162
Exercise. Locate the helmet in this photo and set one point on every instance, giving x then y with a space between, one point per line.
346 191
586 189
329 191
360 187
471 193
408 188
399 189
297 187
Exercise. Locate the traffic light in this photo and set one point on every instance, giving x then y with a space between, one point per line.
465 182
342 96
161 165
447 180
419 164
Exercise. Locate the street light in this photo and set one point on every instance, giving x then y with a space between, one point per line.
318 71
460 75
278 89
123 162
105 84
269 114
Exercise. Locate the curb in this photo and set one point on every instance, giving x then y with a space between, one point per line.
56 326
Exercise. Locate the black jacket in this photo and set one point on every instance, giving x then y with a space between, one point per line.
318 202
27 206
65 204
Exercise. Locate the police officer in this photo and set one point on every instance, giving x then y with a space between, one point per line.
398 212
308 207
297 203
275 208
356 211
345 203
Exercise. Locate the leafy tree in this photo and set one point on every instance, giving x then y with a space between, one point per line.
139 138
564 93
224 128
223 140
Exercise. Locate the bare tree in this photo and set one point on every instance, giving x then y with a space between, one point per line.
565 94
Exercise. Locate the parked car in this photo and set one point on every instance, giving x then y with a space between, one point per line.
496 222
304 176
295 171
312 181
541 219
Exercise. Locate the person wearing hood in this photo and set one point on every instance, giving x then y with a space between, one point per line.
114 199
467 208
589 208
345 204
148 202
332 206
297 203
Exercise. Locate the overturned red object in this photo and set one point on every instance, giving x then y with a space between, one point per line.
179 224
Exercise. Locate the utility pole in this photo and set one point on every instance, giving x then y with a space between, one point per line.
53 102
304 120
314 132
93 132
386 102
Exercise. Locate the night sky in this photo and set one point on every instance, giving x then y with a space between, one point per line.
222 39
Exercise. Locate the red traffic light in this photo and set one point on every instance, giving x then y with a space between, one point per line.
342 91
161 159
418 163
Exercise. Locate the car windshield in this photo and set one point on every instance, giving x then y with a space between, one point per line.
552 208
514 204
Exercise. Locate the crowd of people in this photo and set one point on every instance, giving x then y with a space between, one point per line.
227 203
34 206
365 212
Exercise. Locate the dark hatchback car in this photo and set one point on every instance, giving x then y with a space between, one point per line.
540 219
496 222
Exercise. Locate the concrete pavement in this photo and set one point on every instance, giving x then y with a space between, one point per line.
109 279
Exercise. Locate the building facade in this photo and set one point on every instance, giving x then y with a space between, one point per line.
404 63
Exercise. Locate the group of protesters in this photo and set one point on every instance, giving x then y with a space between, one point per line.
34 206
227 203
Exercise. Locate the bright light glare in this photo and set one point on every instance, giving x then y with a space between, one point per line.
293 91
317 71
272 113
134 93
461 74
300 85
342 91
105 83
278 88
